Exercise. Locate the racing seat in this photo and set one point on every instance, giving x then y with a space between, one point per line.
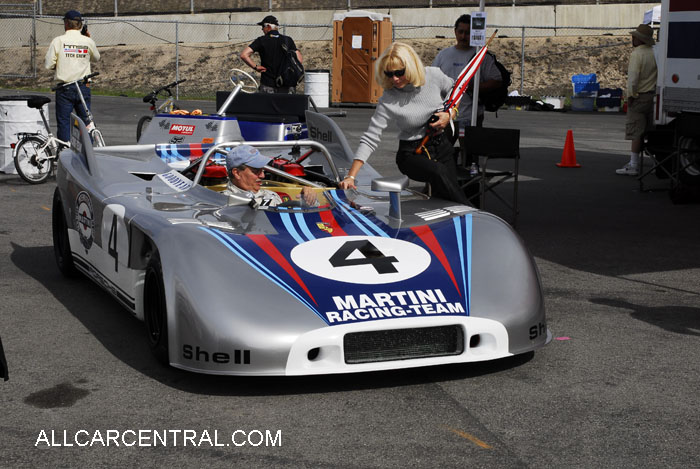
488 144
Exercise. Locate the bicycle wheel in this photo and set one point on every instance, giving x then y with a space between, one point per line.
141 126
32 159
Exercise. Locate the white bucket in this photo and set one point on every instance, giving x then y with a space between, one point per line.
15 117
316 86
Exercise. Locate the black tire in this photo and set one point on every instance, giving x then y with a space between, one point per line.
31 166
689 159
141 126
155 313
61 245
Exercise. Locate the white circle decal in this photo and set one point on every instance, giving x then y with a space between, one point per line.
361 259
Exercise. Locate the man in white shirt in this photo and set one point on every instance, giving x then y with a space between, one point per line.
70 55
452 61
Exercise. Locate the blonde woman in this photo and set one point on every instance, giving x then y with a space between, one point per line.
412 93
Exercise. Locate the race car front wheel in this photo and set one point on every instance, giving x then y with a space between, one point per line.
61 245
155 310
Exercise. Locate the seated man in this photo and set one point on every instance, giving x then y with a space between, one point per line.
244 166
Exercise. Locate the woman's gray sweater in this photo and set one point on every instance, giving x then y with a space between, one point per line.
408 108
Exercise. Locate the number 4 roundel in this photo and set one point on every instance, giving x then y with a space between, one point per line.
373 256
361 259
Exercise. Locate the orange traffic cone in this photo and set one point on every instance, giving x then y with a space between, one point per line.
568 157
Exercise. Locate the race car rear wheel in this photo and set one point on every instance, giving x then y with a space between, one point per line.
155 310
61 245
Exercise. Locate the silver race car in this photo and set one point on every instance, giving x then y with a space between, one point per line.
370 279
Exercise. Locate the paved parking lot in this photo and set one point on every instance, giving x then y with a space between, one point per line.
617 387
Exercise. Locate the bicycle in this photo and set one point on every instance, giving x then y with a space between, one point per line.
167 107
34 153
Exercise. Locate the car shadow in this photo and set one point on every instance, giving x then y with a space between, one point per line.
678 319
124 337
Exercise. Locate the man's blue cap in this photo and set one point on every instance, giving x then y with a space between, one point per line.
245 155
72 15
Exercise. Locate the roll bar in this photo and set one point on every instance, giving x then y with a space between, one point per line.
220 148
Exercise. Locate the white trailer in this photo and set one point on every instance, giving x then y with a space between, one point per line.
677 111
678 59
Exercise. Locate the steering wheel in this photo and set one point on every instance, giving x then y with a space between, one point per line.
246 80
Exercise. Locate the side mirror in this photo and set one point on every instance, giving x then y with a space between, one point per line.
394 186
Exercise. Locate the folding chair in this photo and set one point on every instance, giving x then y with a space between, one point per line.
672 149
659 145
488 144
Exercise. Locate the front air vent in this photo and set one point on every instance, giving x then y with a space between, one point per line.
403 344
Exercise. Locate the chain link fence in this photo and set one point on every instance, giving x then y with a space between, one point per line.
139 55
18 39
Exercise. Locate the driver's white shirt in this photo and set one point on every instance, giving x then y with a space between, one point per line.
263 197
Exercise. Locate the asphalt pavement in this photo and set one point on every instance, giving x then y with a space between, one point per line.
617 387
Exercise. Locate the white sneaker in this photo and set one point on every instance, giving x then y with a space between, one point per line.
628 170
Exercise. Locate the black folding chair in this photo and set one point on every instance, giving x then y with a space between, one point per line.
488 144
672 150
659 145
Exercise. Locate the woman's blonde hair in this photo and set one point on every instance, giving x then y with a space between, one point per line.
397 56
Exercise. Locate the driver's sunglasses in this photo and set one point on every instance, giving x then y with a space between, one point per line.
395 73
256 171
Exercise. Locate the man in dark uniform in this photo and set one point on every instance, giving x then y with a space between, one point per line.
271 52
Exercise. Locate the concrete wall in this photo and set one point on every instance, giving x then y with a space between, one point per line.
241 27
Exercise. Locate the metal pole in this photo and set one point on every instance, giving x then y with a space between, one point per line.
477 80
39 7
269 5
116 7
177 58
33 39
522 60
191 7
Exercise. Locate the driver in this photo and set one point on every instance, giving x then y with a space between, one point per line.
244 166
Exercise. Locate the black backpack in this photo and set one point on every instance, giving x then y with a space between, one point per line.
291 71
495 98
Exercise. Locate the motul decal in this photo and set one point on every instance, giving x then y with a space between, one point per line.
182 129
